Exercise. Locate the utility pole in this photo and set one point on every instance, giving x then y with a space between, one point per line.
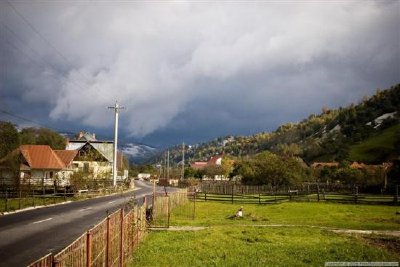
183 161
116 108
168 167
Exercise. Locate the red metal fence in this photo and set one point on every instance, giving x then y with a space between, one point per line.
113 240
164 205
109 243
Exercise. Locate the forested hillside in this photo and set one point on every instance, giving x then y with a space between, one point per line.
368 131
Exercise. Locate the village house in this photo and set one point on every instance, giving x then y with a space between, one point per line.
40 165
213 161
96 157
37 165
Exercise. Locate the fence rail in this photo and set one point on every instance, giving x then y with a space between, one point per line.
109 243
113 241
164 204
235 193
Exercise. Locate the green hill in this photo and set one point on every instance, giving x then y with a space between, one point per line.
367 131
379 147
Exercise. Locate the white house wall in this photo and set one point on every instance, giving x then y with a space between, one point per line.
98 169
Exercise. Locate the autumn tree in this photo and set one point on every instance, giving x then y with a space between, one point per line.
42 136
8 138
269 168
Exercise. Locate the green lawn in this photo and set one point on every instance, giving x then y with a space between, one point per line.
371 217
253 241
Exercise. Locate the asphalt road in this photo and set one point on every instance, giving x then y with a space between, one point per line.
27 236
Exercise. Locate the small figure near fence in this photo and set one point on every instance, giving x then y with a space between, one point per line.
239 213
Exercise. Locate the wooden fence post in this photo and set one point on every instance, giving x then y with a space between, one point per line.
121 241
396 197
355 194
232 192
88 249
194 206
168 210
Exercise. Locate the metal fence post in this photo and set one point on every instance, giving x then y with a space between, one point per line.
88 249
108 241
121 241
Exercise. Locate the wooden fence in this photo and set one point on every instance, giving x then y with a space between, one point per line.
109 243
164 204
247 194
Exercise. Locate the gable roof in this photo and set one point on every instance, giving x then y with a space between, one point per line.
105 148
198 165
66 156
41 157
324 164
216 160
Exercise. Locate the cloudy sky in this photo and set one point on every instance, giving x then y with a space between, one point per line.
191 70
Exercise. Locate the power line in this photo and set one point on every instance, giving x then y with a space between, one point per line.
44 39
37 32
34 122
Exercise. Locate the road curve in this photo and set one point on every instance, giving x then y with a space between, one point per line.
26 236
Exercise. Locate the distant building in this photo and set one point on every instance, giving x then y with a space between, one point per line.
320 165
216 160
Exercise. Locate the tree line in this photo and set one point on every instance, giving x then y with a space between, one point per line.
11 138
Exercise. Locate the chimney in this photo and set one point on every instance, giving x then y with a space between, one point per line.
94 136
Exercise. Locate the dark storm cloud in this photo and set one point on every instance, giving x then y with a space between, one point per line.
191 71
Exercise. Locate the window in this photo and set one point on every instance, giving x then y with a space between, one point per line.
86 167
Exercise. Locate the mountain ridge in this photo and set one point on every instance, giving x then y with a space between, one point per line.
328 136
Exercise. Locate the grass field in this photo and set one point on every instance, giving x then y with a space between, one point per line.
287 234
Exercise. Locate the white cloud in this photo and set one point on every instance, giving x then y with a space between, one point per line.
151 57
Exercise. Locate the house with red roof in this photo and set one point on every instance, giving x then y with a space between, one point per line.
41 165
213 161
37 165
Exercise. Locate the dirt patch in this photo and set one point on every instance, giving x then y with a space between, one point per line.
389 243
368 232
180 228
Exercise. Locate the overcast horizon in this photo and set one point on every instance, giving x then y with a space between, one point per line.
191 71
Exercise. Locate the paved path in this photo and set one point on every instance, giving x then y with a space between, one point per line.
27 236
